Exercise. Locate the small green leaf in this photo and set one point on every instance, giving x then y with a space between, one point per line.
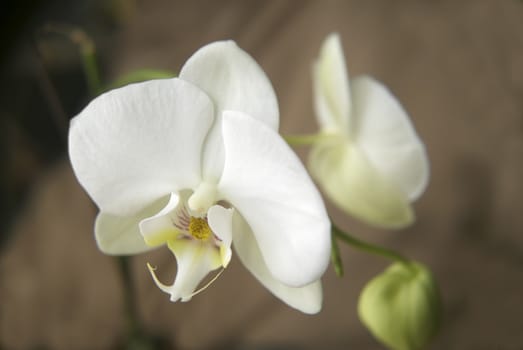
401 306
140 75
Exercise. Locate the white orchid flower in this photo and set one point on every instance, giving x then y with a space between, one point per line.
368 159
195 163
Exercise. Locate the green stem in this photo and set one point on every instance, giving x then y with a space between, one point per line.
302 140
135 336
368 247
336 257
87 52
131 316
90 66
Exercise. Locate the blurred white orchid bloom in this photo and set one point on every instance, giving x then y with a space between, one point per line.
369 160
196 163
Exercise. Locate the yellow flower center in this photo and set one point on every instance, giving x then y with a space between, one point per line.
199 228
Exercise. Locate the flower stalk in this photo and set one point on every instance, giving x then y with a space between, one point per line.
367 247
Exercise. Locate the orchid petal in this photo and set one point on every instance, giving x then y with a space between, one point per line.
356 186
234 81
118 235
307 299
195 259
266 182
220 222
385 134
159 229
331 86
133 145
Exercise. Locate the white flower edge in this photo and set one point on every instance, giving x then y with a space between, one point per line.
307 299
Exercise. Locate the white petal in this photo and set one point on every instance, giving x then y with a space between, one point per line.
135 144
220 222
266 182
307 299
118 235
234 81
195 260
352 183
331 86
159 228
383 131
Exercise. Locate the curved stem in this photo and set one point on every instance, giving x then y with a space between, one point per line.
368 247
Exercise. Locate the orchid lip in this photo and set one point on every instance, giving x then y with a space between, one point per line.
188 235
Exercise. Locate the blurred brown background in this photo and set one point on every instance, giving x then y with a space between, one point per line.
457 67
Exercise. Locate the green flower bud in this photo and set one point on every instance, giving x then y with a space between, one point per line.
401 306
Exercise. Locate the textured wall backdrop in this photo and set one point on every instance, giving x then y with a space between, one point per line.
457 67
